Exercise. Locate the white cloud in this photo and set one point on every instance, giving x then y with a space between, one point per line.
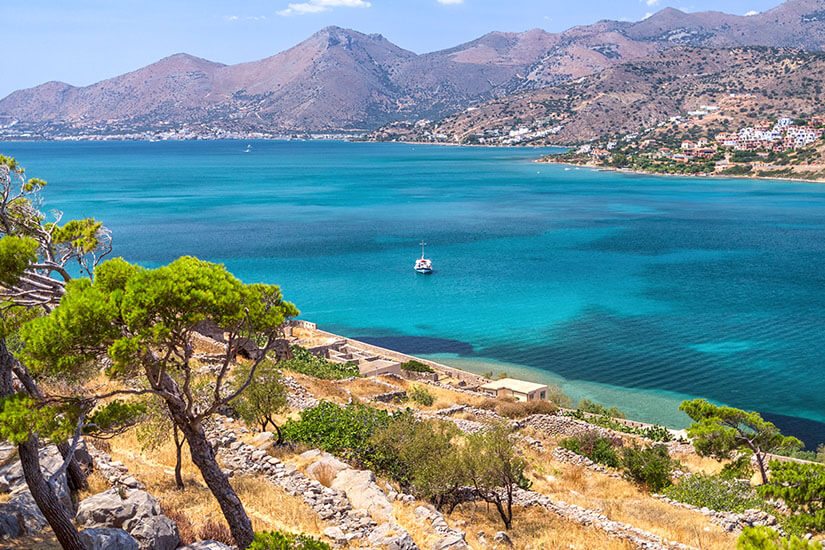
245 17
648 14
752 12
317 6
450 1
651 2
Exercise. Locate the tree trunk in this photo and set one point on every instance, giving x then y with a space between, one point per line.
46 499
43 493
204 459
75 475
178 458
280 437
760 461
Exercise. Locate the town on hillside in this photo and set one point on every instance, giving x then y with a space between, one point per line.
782 147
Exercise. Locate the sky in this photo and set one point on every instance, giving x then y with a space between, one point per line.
84 41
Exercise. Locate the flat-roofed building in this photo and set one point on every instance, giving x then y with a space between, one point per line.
515 389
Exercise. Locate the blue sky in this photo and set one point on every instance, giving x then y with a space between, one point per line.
81 42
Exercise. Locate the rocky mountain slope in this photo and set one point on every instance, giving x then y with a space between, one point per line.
744 83
343 79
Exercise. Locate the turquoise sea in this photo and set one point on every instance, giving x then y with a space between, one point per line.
637 291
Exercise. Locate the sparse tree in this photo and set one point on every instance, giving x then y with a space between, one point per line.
264 398
143 319
491 465
719 431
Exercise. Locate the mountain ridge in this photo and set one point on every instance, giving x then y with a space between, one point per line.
342 79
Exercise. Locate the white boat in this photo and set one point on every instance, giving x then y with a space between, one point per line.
422 264
248 148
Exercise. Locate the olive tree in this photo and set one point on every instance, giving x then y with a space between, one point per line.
719 431
494 469
143 320
264 398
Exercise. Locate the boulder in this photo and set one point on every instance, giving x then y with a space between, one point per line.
451 542
102 510
50 462
390 536
155 533
9 526
502 538
206 545
108 539
364 493
335 534
138 506
262 439
23 512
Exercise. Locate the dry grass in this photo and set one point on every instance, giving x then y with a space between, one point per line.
97 484
533 528
325 474
519 409
623 501
268 506
327 390
44 540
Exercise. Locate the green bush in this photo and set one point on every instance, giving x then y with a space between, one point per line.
715 493
593 446
802 487
651 466
738 468
277 540
420 395
416 366
588 406
306 363
344 431
654 433
765 538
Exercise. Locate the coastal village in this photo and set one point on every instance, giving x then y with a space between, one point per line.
687 144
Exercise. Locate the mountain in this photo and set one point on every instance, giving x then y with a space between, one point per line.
746 84
341 79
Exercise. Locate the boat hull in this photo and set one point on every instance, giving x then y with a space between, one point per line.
423 270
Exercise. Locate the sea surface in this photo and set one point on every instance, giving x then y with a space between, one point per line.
636 291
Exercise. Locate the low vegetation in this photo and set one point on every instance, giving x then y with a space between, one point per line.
716 493
306 363
510 408
278 540
416 366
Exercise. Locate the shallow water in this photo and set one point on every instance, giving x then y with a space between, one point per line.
637 291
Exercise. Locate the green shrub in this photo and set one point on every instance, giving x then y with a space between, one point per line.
651 466
593 446
802 487
765 538
715 493
416 366
588 406
277 540
738 468
654 433
306 363
420 395
344 431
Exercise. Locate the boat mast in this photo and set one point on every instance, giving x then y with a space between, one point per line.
422 243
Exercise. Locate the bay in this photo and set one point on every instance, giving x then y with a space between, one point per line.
637 291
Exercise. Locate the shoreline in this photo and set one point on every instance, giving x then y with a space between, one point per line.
602 168
642 406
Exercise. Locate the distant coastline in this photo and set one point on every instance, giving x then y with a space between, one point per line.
605 168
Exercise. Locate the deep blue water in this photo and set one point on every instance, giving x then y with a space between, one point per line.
637 291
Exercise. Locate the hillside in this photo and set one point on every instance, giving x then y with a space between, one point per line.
745 83
341 79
